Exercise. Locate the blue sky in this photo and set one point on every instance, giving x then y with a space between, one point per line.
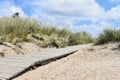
88 15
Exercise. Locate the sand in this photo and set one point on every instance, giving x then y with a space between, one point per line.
8 49
91 63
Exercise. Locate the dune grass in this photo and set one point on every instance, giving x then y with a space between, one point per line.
108 35
16 29
80 38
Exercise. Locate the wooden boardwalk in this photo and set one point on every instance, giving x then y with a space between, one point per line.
14 65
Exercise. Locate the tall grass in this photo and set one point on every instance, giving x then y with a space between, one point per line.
80 38
11 28
18 29
108 35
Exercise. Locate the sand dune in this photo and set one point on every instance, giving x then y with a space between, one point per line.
90 63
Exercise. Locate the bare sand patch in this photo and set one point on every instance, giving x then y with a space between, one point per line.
90 63
8 49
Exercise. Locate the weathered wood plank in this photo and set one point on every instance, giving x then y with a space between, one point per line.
1 78
13 65
8 68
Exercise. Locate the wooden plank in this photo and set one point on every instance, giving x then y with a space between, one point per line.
18 59
1 78
8 68
13 65
15 60
11 71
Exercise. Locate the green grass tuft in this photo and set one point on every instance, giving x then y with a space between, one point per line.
80 38
108 35
16 30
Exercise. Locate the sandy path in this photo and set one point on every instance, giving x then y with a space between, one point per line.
95 63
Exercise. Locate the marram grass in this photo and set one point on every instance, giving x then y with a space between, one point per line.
16 30
108 35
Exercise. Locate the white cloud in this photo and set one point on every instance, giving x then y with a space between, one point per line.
8 8
93 29
113 14
66 11
111 18
86 8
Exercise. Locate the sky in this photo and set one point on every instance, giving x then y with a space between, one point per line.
91 16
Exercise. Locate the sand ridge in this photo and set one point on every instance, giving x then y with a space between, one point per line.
90 63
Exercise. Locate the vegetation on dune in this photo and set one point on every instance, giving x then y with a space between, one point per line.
80 38
13 29
16 29
108 35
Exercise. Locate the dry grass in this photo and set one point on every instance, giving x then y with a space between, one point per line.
15 30
108 35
